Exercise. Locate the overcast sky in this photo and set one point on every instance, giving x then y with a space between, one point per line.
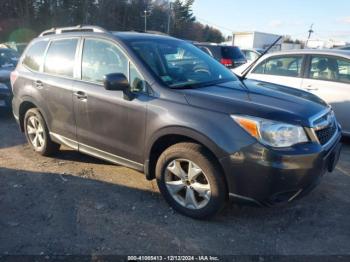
331 18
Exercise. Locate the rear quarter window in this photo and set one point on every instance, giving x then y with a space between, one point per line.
34 56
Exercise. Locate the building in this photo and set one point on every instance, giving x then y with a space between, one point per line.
254 39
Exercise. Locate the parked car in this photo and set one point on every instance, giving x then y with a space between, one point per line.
229 56
18 47
346 47
325 73
251 54
8 61
161 106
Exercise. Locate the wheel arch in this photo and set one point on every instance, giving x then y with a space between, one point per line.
169 136
26 104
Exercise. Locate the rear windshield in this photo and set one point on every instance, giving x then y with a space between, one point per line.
232 52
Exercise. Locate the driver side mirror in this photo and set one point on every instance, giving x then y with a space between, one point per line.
115 82
118 82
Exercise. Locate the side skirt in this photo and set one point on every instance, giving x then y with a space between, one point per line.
96 152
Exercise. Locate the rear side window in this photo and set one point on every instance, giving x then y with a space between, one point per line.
281 66
60 57
232 52
35 55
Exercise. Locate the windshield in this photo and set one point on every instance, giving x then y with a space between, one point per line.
180 64
8 58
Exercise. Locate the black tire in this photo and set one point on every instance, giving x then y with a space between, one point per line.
49 147
203 159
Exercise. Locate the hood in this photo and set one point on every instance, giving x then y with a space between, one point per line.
259 99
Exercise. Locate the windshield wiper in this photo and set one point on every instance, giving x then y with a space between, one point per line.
246 71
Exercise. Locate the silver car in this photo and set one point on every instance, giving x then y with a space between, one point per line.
325 73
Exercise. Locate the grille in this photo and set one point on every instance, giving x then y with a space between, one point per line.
325 134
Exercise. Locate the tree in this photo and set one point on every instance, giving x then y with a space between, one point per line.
34 16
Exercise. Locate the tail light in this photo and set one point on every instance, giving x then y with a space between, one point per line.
226 61
13 77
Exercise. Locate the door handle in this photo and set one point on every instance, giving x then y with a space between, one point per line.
80 95
38 84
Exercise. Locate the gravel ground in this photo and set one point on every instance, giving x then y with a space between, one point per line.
75 204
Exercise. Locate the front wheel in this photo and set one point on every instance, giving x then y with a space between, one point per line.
191 181
37 133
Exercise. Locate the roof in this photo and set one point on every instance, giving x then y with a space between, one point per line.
253 32
131 35
344 53
95 30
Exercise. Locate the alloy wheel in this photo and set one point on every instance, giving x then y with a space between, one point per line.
187 184
35 133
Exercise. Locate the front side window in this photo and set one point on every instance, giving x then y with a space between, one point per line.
281 66
178 64
101 58
60 57
330 68
34 56
137 83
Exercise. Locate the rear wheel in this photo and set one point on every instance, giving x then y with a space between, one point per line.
37 133
191 181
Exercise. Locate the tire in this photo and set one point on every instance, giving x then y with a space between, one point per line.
191 196
44 146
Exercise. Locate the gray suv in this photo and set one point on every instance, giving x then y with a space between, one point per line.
162 106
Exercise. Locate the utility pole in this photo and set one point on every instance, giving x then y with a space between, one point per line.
146 14
310 32
169 17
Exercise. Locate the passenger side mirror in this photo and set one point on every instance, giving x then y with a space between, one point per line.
118 82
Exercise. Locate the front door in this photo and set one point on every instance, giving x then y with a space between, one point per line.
283 70
329 78
108 125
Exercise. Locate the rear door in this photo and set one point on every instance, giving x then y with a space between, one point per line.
329 78
108 125
283 70
54 87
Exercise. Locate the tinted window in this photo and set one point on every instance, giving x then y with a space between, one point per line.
60 57
281 66
232 52
180 64
101 58
35 55
330 68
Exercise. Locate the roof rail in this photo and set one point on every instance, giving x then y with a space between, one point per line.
78 28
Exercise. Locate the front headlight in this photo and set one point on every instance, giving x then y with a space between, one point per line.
272 133
3 86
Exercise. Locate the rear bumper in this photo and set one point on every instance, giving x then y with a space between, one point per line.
266 177
5 98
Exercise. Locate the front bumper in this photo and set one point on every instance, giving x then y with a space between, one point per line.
265 176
